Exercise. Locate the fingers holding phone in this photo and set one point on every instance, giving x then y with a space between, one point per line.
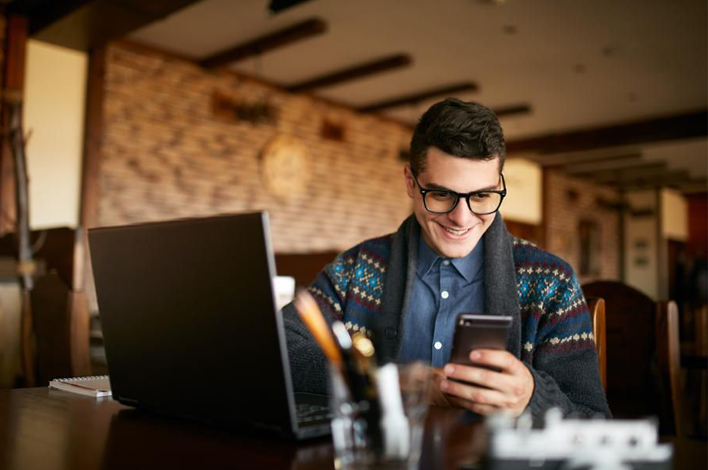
483 376
486 391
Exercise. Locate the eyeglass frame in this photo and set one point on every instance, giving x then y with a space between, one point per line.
500 192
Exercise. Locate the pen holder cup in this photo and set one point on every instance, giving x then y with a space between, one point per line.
383 429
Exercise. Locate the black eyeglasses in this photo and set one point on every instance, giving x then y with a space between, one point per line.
442 201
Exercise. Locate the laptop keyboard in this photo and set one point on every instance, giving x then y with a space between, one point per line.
310 413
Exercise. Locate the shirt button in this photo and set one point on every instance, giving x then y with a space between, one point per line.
446 262
437 345
444 294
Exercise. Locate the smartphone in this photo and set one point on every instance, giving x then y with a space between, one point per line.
474 331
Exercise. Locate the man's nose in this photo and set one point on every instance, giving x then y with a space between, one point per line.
461 214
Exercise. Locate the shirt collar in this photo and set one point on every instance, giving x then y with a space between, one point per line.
469 267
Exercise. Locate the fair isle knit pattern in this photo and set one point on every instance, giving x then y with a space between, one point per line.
367 287
553 314
357 280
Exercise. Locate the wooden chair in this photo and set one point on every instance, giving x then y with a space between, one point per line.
668 349
596 306
639 336
60 325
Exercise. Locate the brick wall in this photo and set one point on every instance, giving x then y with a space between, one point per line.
567 202
166 155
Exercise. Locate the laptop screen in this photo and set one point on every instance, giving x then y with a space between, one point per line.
189 319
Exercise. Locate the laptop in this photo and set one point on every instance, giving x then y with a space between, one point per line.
190 323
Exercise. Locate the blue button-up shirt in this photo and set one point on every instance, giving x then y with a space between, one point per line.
442 289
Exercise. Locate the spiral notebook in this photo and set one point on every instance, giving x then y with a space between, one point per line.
95 386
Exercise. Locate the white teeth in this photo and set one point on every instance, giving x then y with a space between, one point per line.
456 232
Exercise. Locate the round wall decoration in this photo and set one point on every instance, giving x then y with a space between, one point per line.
284 166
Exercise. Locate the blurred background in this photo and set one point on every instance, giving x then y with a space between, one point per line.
138 111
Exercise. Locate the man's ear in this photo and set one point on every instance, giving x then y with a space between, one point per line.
410 182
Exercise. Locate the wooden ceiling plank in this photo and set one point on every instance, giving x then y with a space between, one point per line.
677 127
415 98
290 35
353 73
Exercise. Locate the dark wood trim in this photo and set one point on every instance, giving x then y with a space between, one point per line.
292 34
677 127
93 139
13 81
355 72
415 98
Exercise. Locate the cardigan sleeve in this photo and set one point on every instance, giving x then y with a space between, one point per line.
308 366
564 362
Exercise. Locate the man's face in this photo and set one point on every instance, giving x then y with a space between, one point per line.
455 234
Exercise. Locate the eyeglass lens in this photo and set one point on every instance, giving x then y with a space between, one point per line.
480 203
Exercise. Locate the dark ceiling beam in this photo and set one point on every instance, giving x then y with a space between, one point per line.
632 161
415 98
44 12
682 126
512 110
650 170
676 179
353 73
568 160
85 24
693 185
276 6
303 30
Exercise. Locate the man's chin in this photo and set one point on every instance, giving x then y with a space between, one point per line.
456 251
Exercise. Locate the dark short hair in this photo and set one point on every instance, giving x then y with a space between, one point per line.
459 128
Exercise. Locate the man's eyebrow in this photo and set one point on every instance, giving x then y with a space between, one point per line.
443 188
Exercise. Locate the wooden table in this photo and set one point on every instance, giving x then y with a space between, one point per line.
54 430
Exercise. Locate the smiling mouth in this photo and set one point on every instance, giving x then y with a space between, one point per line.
456 233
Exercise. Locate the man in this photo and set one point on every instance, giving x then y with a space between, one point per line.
455 255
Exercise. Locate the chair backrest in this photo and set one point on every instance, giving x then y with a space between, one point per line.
668 349
60 325
596 306
634 382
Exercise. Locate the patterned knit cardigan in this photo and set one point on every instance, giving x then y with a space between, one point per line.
551 329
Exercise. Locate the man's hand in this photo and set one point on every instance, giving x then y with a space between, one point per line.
509 390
